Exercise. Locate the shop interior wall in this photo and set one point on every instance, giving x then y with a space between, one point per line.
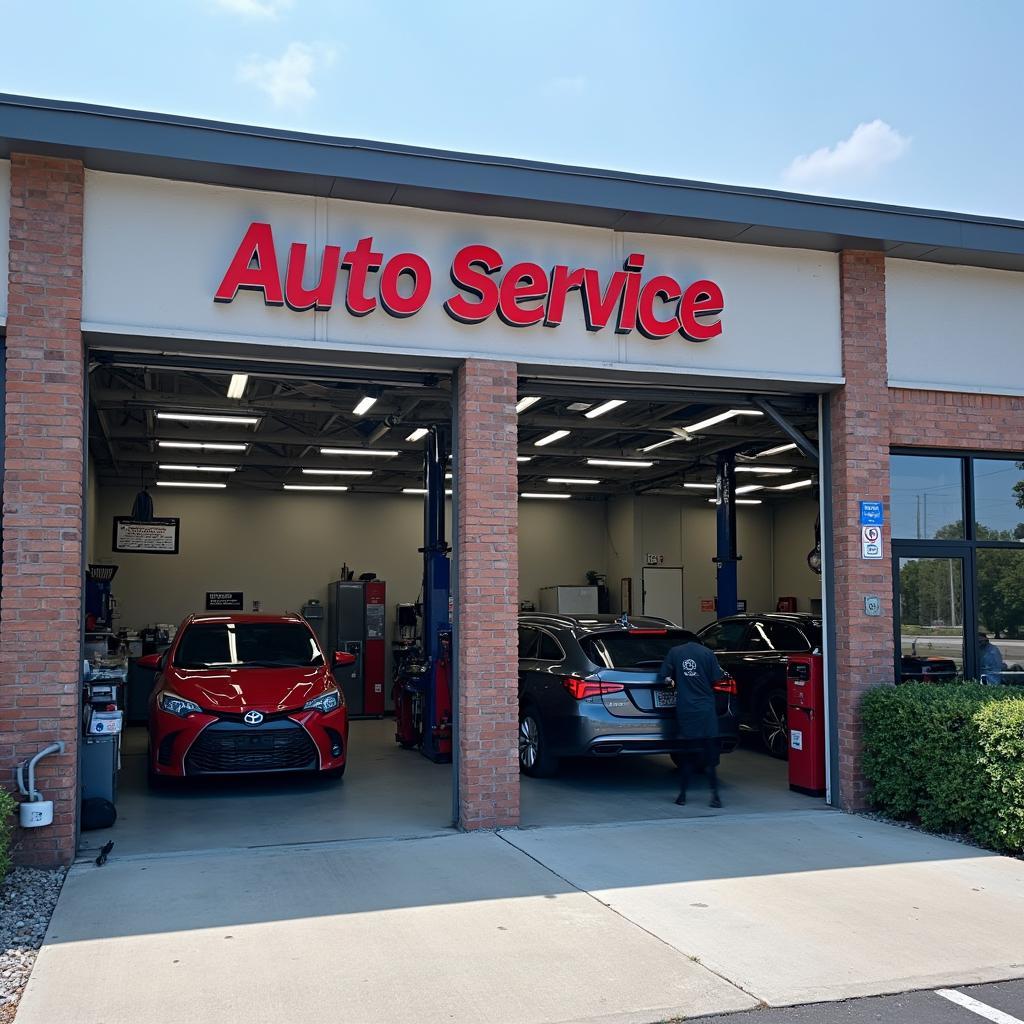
792 541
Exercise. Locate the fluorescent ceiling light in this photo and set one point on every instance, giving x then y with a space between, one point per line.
207 446
237 386
702 487
364 405
338 472
418 490
314 487
660 444
625 463
540 494
524 403
721 417
571 480
739 501
418 433
600 410
794 485
775 451
748 488
188 483
202 417
765 470
384 453
448 476
555 435
198 469
524 458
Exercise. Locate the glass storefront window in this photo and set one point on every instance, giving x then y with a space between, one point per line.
927 498
1000 599
931 620
998 499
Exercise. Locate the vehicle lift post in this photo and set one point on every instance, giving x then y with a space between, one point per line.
726 558
436 741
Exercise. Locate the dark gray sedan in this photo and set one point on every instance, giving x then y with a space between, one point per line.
588 688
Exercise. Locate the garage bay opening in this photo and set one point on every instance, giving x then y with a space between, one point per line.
268 555
648 513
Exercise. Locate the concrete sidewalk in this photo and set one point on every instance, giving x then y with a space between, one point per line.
631 923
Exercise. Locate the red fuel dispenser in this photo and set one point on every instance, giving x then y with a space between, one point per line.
805 685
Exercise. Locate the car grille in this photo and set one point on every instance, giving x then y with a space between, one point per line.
281 746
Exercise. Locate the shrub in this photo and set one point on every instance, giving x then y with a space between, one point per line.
950 757
8 806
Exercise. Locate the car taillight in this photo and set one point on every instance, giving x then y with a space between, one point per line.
725 685
580 687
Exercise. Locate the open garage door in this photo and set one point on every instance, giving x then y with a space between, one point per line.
648 513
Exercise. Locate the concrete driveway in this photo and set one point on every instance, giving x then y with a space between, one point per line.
632 923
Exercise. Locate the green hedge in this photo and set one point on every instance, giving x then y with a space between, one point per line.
950 757
8 805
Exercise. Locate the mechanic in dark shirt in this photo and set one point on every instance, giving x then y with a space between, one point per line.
694 669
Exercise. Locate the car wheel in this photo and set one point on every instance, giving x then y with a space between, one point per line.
534 759
772 724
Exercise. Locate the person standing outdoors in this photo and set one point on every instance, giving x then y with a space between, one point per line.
693 670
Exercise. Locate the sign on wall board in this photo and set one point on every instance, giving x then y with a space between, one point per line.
224 601
154 537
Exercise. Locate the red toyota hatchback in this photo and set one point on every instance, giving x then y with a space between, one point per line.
240 694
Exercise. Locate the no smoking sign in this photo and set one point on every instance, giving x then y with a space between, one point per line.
870 542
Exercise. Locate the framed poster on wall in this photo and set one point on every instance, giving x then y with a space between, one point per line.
224 601
153 537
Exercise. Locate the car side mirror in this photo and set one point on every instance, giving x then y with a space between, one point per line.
151 662
343 658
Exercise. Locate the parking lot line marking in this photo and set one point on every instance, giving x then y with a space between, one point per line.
975 1006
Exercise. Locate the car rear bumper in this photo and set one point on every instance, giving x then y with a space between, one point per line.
205 744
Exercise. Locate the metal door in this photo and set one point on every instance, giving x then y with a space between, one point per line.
663 592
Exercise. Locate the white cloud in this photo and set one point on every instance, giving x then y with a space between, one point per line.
570 85
850 161
288 79
253 8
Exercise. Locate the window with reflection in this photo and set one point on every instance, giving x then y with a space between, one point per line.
1000 600
998 499
927 497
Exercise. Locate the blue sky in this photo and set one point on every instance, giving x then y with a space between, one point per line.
905 102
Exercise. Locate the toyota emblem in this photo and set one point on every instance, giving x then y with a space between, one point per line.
253 718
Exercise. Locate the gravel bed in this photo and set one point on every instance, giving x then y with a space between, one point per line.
955 837
27 899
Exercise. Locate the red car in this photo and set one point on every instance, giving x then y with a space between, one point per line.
240 694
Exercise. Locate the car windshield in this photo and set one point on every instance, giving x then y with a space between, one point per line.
639 650
252 644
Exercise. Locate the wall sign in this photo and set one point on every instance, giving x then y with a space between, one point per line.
871 513
870 542
154 537
224 601
522 295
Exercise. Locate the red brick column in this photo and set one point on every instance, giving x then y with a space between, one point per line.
40 609
487 593
860 472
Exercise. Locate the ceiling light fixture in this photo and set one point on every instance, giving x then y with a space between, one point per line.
524 458
364 405
624 463
600 410
314 487
765 470
524 403
721 417
555 435
701 487
202 417
748 488
189 483
660 444
794 485
208 446
739 501
236 388
775 451
418 490
338 472
541 494
384 453
417 434
571 480
197 469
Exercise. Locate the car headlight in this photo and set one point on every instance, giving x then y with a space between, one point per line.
328 701
175 705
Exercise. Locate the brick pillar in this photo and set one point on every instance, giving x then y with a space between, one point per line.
486 482
860 472
40 609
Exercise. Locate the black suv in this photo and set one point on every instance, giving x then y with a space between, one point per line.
587 688
753 650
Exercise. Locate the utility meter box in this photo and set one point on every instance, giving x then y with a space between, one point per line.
805 690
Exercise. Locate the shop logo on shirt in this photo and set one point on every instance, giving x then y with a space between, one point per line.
690 667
